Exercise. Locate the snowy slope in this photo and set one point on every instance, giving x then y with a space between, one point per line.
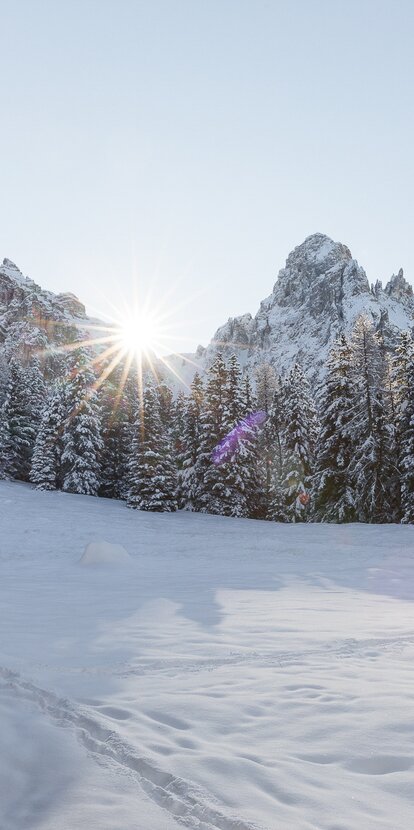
233 675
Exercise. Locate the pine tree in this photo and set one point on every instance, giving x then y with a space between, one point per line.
299 439
117 404
275 426
152 473
266 384
189 483
19 425
36 389
177 432
210 495
371 466
81 437
46 472
165 402
403 376
333 491
240 441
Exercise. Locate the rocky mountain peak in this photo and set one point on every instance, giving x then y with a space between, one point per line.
319 253
320 292
399 288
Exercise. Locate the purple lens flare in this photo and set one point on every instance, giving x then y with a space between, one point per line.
243 431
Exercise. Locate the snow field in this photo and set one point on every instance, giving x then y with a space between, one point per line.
235 675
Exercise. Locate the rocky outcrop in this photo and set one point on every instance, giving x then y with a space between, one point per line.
32 315
320 292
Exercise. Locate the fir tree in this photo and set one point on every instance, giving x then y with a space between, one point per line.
117 403
276 508
189 461
371 464
19 425
177 431
211 494
81 437
45 471
266 384
299 439
404 398
152 473
333 491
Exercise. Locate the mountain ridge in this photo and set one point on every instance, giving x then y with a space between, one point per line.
320 291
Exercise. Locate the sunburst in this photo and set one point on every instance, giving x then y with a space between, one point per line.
138 338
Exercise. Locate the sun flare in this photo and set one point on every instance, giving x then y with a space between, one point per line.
139 334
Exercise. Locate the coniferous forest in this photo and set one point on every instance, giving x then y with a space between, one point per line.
265 447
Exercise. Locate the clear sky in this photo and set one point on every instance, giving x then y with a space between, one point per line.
196 142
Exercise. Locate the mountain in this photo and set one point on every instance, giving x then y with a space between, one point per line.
320 292
31 317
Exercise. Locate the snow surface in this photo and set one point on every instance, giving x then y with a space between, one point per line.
237 675
104 553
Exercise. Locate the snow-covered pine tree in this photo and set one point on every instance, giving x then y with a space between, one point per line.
248 396
19 425
403 377
117 397
177 430
4 443
266 384
36 389
253 471
191 444
299 440
46 471
210 494
166 403
152 472
371 467
238 468
275 426
81 435
334 497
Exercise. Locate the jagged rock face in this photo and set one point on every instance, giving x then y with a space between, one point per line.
320 292
32 315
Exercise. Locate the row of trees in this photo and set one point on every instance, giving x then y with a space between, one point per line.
263 449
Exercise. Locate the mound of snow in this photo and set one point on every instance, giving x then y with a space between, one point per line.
104 553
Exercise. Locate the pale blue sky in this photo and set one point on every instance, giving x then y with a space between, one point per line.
200 142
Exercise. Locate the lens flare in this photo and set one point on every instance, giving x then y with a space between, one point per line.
239 435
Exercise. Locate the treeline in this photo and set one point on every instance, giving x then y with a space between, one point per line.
258 447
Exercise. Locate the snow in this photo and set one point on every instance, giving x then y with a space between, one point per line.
237 675
104 553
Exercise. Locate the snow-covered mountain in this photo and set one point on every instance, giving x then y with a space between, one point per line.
320 291
33 317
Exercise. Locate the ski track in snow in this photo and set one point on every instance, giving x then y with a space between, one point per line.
235 676
183 800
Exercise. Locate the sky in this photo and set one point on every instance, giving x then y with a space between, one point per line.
189 145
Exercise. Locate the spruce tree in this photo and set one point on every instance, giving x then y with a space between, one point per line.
334 497
19 425
275 426
81 437
189 483
371 466
46 471
177 431
404 397
152 472
211 494
299 439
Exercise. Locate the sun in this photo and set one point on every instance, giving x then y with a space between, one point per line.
139 334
